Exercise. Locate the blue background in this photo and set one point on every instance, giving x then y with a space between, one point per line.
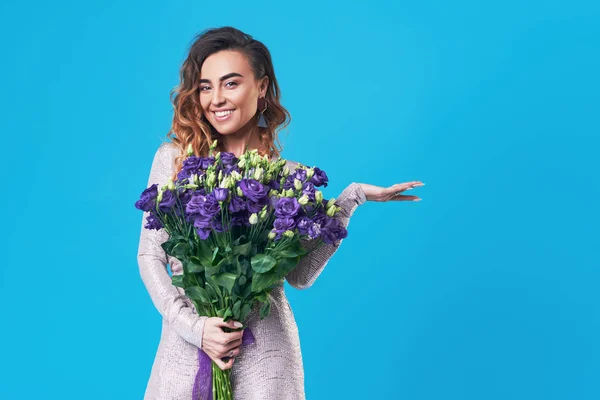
486 289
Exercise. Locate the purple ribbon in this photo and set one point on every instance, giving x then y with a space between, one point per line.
203 381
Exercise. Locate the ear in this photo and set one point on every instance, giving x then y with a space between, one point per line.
264 85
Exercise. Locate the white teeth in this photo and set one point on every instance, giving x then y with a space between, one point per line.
223 113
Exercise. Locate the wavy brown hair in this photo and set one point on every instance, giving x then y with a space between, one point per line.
189 125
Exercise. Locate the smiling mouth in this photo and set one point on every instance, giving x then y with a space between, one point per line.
223 114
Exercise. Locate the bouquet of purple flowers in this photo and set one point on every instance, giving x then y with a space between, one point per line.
236 225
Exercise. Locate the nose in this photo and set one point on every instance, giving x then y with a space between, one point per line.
217 97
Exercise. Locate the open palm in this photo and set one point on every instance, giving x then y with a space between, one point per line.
392 193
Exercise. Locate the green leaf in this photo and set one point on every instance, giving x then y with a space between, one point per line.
177 280
168 245
204 253
181 250
285 265
242 280
245 311
263 281
265 309
262 263
247 292
243 249
214 254
287 253
225 279
195 265
227 313
198 293
263 297
236 308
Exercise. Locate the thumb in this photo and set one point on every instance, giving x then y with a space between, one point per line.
230 324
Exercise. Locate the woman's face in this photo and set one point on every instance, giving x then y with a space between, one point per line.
228 91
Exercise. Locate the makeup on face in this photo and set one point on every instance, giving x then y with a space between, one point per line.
228 91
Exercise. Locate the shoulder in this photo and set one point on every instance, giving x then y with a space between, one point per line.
166 153
167 149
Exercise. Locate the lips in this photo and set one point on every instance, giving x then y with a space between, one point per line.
223 115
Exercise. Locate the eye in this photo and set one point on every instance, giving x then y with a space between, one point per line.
204 87
233 83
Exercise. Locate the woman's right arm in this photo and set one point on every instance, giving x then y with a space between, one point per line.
152 261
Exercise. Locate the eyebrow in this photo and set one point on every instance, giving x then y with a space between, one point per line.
221 79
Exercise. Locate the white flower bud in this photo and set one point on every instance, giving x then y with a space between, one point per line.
288 233
303 200
190 150
271 235
236 176
297 184
309 173
171 185
239 191
318 196
331 211
220 175
258 173
253 219
289 193
225 183
331 203
286 171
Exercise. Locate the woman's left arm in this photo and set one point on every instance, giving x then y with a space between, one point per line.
311 266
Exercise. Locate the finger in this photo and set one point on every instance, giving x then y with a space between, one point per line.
231 353
229 324
402 197
228 337
400 187
233 344
223 365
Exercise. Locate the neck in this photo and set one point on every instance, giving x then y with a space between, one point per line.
237 142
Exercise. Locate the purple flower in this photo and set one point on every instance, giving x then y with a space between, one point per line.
211 207
284 224
221 194
303 224
195 203
333 231
147 198
228 158
240 219
314 231
206 206
309 190
287 207
300 174
203 233
206 162
191 165
153 222
167 202
274 184
254 207
236 204
319 178
253 189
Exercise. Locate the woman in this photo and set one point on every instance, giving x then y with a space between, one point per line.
228 92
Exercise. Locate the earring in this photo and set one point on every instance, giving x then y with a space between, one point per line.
262 103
